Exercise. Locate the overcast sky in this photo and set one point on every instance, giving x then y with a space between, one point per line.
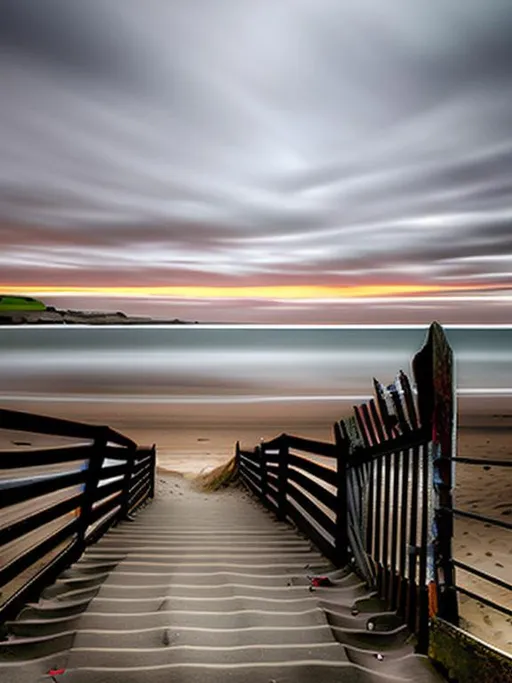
269 143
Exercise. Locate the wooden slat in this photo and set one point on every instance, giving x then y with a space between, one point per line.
17 529
105 505
140 482
323 473
20 421
416 456
366 417
395 464
309 446
34 489
251 483
400 409
140 472
386 525
377 421
312 509
108 489
13 460
404 507
410 405
12 570
254 469
321 542
316 490
397 443
114 471
105 519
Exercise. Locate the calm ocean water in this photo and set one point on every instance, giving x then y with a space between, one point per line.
168 364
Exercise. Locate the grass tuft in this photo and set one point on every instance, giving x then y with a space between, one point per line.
221 477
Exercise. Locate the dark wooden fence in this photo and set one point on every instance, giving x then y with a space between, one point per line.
380 496
56 501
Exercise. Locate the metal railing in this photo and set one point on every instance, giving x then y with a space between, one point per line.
489 522
56 501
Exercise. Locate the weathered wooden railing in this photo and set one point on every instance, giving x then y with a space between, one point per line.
297 478
380 497
56 501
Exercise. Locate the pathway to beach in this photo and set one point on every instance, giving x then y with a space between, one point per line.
209 587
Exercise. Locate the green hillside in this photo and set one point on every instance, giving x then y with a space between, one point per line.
20 303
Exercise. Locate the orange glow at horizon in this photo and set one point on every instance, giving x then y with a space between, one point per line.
291 292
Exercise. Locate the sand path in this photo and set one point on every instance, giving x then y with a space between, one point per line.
209 586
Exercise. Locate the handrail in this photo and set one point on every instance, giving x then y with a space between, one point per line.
75 497
21 421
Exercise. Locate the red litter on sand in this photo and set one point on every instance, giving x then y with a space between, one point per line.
56 672
320 581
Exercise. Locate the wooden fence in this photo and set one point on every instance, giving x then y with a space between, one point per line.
380 496
56 501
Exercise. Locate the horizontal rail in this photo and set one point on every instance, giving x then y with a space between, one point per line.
484 601
482 461
253 485
252 468
311 486
314 468
112 471
321 542
324 448
256 477
97 483
20 421
107 490
14 460
413 439
14 568
105 506
482 575
34 489
38 519
477 517
313 510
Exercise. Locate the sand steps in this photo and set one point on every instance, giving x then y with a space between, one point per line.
208 587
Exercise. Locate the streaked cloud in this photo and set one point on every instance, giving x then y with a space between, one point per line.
241 145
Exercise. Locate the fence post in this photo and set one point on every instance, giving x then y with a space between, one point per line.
341 540
91 487
263 471
283 479
237 456
151 493
434 374
125 505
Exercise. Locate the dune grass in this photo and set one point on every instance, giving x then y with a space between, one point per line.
221 477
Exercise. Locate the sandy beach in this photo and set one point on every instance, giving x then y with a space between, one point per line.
193 440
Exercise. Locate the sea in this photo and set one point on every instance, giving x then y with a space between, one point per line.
193 377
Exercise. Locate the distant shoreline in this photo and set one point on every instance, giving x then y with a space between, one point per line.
53 316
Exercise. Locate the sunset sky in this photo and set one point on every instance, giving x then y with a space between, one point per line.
259 161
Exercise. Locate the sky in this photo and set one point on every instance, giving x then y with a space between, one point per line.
298 161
